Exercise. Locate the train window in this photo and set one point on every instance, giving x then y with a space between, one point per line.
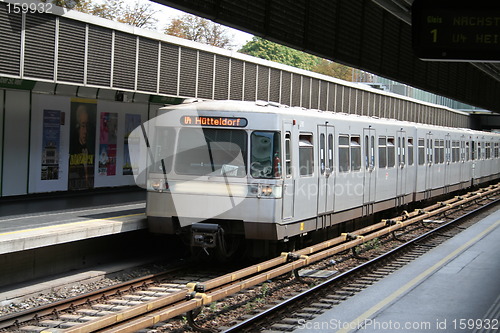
448 151
391 153
410 151
330 152
344 153
429 151
322 153
441 151
467 150
372 152
211 151
462 150
367 152
436 151
495 150
355 153
382 152
164 149
479 151
421 151
455 151
488 150
473 150
265 154
306 157
401 151
288 156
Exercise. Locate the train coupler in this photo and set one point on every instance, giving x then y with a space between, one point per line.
205 234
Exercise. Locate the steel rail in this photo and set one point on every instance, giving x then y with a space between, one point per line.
62 305
200 294
151 313
250 322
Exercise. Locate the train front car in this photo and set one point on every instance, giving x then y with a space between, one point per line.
213 167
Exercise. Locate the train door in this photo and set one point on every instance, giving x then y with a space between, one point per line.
473 156
289 179
447 161
369 183
326 178
463 175
478 171
429 161
401 167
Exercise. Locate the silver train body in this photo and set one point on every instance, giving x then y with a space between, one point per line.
274 172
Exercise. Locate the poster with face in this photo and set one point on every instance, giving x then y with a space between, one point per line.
107 143
82 144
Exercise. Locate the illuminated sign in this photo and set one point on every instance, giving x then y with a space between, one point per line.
456 29
213 121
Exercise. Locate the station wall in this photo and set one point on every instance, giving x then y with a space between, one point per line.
41 148
15 141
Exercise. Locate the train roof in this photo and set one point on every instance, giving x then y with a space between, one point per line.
280 109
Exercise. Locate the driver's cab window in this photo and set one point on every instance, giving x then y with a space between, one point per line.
265 155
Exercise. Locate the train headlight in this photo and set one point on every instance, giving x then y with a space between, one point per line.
264 191
267 191
158 185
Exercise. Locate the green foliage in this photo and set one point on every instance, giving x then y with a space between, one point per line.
213 307
334 69
369 245
264 49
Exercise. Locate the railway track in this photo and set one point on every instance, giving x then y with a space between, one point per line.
93 305
149 301
294 311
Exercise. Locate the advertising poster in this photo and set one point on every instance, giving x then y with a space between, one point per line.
82 144
50 144
131 122
107 144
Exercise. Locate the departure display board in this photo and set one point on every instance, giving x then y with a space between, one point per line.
456 30
213 121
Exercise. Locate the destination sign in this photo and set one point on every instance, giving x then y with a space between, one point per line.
456 29
213 121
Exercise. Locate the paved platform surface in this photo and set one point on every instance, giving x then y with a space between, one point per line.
37 222
455 287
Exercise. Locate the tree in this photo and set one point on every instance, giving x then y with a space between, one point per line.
330 68
139 14
264 49
200 30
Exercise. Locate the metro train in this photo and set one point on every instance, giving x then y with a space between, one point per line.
222 171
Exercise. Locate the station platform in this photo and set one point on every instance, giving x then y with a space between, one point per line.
452 288
35 222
